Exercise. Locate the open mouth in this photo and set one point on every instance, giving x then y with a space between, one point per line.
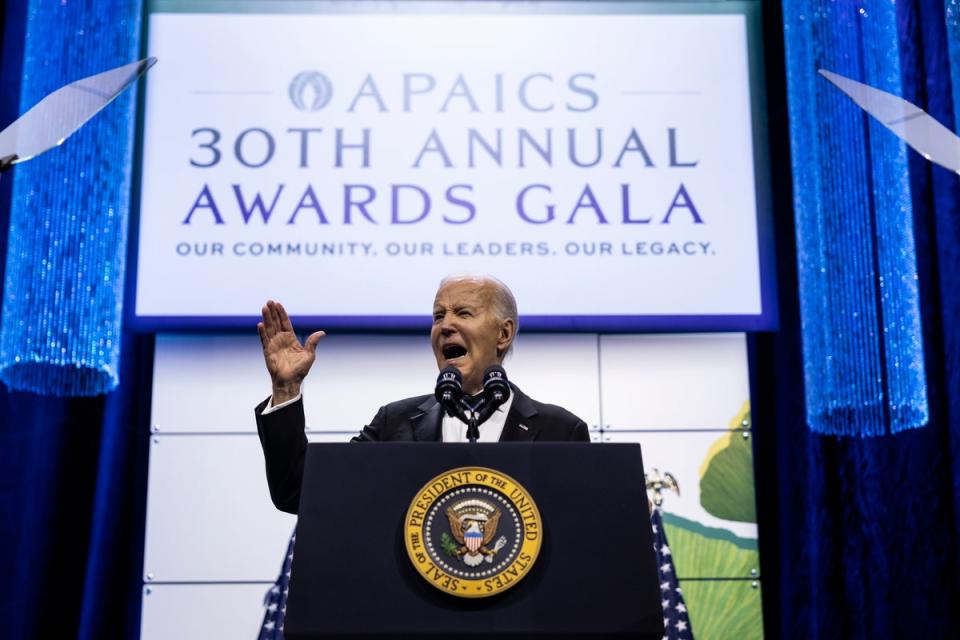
453 351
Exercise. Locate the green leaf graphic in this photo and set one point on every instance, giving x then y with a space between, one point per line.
447 544
723 609
726 476
703 552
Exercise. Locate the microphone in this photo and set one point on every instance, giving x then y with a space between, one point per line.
496 388
496 391
449 391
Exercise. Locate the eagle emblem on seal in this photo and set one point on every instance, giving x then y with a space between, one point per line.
473 524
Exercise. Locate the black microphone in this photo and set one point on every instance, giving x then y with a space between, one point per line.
496 391
449 391
496 388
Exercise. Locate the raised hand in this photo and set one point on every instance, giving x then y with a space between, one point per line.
288 362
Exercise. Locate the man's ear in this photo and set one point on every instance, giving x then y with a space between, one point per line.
508 331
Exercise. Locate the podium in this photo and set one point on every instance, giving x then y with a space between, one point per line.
355 570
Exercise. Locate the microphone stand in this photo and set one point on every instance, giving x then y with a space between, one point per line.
473 417
456 408
480 414
473 426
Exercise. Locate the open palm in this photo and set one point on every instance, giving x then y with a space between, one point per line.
288 362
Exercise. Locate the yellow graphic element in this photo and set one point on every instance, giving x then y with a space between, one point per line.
468 584
740 421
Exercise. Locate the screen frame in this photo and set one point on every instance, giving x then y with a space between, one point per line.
766 320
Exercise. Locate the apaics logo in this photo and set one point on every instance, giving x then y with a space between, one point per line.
310 91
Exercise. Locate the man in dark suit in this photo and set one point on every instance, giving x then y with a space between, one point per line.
474 325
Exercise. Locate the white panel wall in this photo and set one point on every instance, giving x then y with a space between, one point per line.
210 384
209 515
214 542
559 369
202 612
689 381
213 487
343 391
197 381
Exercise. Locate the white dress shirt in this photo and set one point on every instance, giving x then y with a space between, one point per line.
456 431
270 408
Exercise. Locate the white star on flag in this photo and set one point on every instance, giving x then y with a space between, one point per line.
676 623
275 602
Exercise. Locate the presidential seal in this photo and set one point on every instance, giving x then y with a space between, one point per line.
473 532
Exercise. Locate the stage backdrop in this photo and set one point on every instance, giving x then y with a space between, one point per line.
606 160
342 149
214 542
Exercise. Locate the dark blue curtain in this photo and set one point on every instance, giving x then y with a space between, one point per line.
72 473
859 536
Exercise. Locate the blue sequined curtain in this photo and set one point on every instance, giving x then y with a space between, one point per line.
860 537
72 470
952 11
862 340
64 283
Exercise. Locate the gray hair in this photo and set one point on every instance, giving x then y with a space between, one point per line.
504 304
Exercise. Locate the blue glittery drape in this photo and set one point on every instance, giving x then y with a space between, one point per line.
952 19
72 470
860 537
64 283
862 340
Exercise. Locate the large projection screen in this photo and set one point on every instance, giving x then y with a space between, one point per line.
606 160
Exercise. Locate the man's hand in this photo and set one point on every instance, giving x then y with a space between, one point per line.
288 362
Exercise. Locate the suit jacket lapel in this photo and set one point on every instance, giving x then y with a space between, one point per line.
427 421
521 424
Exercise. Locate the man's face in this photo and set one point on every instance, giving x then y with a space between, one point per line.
466 332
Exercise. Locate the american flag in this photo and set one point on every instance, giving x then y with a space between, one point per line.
275 602
676 622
